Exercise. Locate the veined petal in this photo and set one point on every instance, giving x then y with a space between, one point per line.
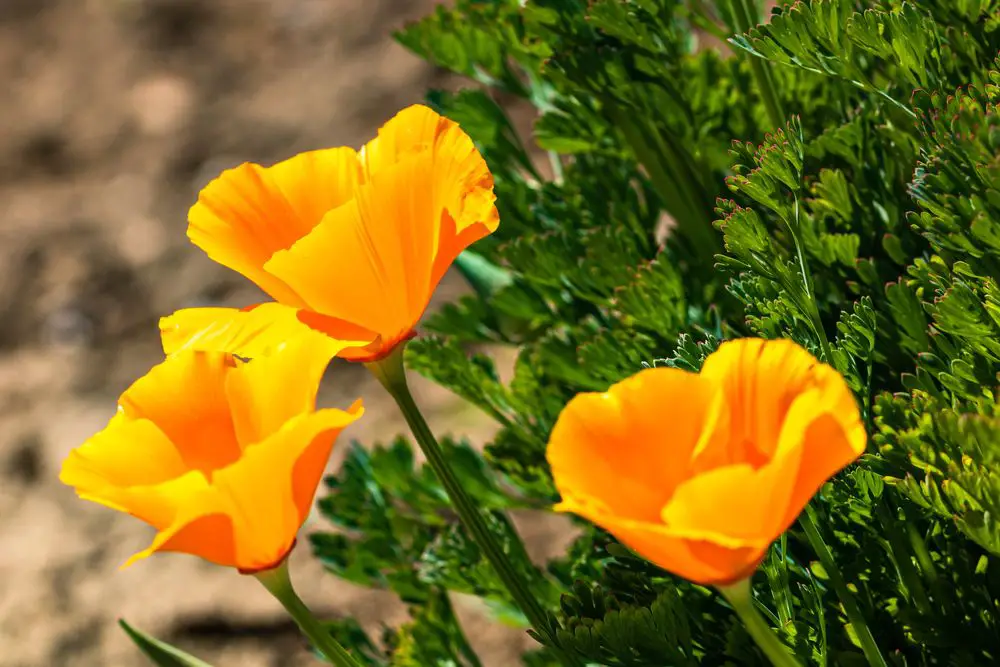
427 195
465 184
127 452
269 390
251 333
760 378
642 430
738 502
341 271
268 492
697 560
185 397
462 184
190 517
248 213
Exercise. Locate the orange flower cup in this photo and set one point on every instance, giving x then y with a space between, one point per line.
348 243
700 473
221 456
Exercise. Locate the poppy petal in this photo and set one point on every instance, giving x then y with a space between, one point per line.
741 501
199 525
249 212
127 452
268 391
427 195
251 333
168 507
696 560
269 490
826 426
643 429
185 397
761 378
341 271
736 504
312 463
461 181
210 536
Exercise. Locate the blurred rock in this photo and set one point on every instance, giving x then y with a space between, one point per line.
162 104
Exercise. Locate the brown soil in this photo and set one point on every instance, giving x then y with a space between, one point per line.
115 113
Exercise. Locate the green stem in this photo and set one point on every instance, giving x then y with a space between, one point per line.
557 167
741 599
851 608
278 584
464 647
744 14
900 554
700 17
668 166
817 320
390 373
920 551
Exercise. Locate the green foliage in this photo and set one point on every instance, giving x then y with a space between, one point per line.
160 653
397 531
657 211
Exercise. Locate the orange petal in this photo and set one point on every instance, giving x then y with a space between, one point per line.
270 390
627 449
825 424
209 537
695 560
735 505
127 452
756 505
185 397
248 213
342 269
310 466
761 378
269 490
462 182
375 261
166 507
189 515
251 333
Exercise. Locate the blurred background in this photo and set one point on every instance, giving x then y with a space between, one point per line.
114 114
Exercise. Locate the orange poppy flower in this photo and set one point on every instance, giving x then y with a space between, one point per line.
221 456
348 243
700 473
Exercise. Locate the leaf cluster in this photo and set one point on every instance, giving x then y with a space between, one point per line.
654 212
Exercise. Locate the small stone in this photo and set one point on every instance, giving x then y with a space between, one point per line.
162 104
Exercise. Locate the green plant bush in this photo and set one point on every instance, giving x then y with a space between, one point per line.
834 178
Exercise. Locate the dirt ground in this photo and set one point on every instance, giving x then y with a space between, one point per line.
114 114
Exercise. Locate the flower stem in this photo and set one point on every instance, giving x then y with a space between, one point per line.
278 584
740 597
670 169
390 372
854 615
817 319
